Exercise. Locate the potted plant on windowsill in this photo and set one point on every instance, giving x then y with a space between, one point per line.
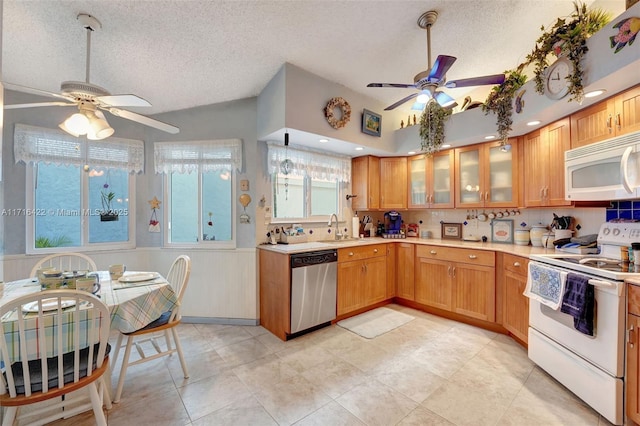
107 214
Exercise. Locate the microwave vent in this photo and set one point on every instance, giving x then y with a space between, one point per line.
617 142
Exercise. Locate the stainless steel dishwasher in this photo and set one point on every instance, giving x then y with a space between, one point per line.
313 289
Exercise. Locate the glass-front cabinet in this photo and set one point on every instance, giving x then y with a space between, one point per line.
430 180
486 175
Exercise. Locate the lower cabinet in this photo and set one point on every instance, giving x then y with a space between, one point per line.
632 379
456 280
405 277
362 277
515 306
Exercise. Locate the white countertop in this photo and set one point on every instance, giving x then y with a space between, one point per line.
518 250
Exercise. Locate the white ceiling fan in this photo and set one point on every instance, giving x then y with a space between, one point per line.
90 99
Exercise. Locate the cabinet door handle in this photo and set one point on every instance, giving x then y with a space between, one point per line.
375 250
516 263
449 270
608 124
542 192
618 121
454 272
433 252
630 336
486 196
481 196
473 256
350 253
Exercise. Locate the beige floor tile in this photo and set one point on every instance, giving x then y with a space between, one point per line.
142 381
264 372
444 355
223 335
301 358
408 337
368 356
331 414
335 376
407 377
376 404
163 409
292 399
338 342
243 352
255 330
211 394
247 411
199 365
423 417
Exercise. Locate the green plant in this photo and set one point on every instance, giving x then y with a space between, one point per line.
57 241
500 100
107 199
568 36
432 126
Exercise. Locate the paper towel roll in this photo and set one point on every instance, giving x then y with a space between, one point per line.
355 227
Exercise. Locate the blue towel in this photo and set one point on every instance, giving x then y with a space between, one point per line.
579 301
545 285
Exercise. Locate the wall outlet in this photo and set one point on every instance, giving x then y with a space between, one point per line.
244 185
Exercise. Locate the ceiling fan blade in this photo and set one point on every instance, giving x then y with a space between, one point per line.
476 81
123 101
401 101
142 119
38 104
32 91
440 67
444 100
398 85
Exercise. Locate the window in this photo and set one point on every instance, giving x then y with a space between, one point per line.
78 191
200 184
313 186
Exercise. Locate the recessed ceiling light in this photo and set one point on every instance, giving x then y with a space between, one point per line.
533 123
594 93
490 137
411 152
323 140
446 145
359 148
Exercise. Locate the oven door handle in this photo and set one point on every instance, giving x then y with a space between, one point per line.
606 284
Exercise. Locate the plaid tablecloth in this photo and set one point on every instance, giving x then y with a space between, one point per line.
131 306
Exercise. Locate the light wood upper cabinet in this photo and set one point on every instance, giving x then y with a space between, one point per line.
487 175
615 116
431 180
393 183
544 165
365 183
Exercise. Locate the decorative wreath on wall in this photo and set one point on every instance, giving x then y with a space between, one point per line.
344 107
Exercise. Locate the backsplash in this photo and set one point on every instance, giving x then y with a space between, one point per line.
624 210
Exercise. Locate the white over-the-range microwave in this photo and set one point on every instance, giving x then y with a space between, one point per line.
607 170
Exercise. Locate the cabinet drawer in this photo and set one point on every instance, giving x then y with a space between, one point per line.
476 257
516 264
634 299
348 254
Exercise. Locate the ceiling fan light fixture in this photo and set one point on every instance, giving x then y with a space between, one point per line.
76 124
99 128
423 98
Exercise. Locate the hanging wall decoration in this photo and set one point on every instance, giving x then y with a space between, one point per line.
154 224
330 109
627 31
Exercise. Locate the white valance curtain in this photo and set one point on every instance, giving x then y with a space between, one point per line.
38 144
198 156
306 162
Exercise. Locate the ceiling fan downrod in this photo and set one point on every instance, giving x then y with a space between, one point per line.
425 21
91 24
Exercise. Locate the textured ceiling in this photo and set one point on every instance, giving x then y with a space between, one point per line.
181 54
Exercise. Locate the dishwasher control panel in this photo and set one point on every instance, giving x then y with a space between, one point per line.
313 258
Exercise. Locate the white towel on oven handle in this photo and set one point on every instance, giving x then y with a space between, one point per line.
545 285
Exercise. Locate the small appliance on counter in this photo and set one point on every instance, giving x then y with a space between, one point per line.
392 225
413 230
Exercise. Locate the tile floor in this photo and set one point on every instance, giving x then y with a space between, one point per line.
430 371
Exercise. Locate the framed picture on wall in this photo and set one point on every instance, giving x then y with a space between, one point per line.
451 231
371 123
502 231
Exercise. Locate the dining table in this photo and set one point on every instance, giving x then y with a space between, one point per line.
134 301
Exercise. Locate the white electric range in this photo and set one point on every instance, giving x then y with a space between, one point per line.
592 367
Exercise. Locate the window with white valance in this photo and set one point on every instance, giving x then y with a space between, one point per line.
33 144
79 193
198 156
309 163
200 181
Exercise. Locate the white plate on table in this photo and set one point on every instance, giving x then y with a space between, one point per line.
138 277
48 305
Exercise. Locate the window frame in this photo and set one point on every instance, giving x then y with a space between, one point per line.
200 244
31 170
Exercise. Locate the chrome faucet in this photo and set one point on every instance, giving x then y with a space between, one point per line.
338 233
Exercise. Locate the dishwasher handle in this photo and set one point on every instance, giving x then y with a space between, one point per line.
301 260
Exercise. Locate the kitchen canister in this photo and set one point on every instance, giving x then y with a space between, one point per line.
521 237
547 240
536 233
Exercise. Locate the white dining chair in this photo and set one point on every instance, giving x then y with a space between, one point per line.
54 343
178 277
65 262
